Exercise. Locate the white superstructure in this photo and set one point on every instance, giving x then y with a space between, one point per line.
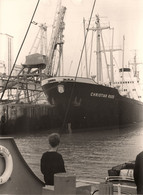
128 84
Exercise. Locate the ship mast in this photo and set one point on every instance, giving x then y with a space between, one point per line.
99 62
85 49
99 38
135 63
98 50
111 57
123 61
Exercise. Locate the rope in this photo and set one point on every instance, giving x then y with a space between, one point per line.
20 50
69 102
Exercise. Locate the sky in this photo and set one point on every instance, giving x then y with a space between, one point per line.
126 16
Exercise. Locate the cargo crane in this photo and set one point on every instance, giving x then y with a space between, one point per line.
46 60
35 62
40 43
40 62
56 43
25 84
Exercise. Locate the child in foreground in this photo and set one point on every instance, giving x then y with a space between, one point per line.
52 162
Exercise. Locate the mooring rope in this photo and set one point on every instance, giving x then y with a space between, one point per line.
20 49
70 99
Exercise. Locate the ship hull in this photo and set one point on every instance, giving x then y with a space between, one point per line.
85 104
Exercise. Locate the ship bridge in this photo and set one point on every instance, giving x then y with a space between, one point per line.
128 84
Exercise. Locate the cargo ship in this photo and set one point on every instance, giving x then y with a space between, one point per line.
73 102
87 102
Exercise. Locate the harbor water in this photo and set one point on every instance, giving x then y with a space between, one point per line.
88 155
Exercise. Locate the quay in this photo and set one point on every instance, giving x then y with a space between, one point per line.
17 178
27 118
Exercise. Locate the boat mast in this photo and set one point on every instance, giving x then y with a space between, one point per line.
135 63
111 75
85 48
111 59
98 50
91 51
123 61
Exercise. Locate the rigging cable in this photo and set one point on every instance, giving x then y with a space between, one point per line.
20 49
72 90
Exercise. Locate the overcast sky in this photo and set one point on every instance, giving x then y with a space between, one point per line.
126 16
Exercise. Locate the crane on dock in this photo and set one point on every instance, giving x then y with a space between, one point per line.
26 83
40 62
56 43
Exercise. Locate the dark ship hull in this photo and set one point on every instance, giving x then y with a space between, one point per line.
86 104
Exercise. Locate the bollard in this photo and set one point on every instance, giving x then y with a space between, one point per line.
64 183
106 188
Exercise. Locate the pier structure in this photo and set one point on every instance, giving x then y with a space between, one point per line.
26 85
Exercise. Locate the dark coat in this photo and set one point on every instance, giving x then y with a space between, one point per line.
51 163
138 173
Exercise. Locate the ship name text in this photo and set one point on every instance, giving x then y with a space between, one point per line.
103 95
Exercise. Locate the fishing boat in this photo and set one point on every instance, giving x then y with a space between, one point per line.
87 102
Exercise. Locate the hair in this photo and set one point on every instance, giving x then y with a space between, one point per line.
54 139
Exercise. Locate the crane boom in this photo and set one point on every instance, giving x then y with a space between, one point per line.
56 38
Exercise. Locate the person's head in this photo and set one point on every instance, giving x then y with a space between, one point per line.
54 140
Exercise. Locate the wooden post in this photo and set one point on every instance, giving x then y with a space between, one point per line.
119 189
64 183
106 189
69 128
